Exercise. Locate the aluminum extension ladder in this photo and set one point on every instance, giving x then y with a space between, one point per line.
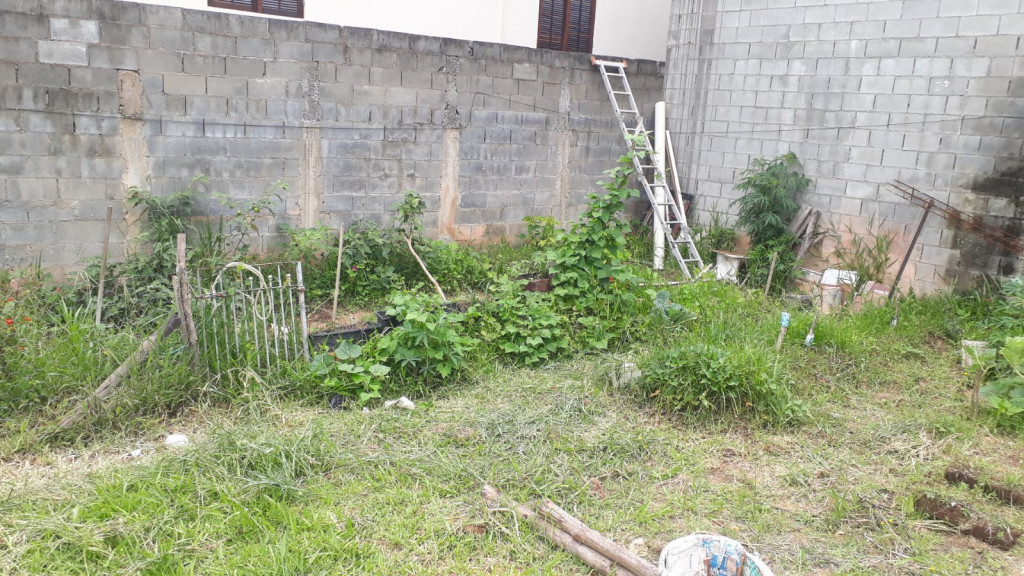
669 214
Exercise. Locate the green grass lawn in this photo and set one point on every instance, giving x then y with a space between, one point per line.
281 487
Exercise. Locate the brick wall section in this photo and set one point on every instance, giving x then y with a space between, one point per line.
925 91
348 118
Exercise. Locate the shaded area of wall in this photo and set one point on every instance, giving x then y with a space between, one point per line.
926 92
348 118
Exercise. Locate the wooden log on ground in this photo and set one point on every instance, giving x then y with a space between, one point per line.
588 555
110 385
808 237
799 222
607 547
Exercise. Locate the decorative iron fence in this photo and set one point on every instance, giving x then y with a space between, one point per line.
250 316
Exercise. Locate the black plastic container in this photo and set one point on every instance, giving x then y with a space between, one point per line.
331 338
383 325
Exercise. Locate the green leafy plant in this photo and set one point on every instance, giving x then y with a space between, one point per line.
140 285
409 213
1005 314
759 263
593 251
521 326
231 238
372 264
866 253
541 232
1006 393
667 310
347 372
699 377
310 245
715 235
453 265
165 218
427 347
768 203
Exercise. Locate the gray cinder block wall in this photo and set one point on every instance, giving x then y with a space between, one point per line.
929 92
102 95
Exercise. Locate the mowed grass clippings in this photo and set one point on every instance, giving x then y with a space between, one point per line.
302 491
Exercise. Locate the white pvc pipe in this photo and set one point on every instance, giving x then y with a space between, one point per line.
659 193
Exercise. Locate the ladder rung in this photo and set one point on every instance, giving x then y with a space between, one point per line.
669 214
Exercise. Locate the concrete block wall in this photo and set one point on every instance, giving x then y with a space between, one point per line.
928 92
102 95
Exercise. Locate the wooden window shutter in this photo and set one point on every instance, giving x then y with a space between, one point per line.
292 8
551 28
566 25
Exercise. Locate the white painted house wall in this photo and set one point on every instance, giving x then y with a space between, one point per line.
623 28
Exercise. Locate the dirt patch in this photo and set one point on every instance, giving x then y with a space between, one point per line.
320 320
1002 537
949 512
970 478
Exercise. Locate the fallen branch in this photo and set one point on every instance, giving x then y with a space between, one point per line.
408 242
110 385
594 539
588 555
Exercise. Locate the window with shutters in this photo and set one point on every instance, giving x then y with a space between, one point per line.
292 8
566 25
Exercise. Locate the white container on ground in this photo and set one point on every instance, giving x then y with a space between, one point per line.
703 554
727 265
971 349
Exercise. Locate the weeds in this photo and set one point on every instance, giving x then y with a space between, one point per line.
520 327
867 254
804 451
765 209
768 203
715 235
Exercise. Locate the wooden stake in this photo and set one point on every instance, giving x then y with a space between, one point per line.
589 556
910 249
782 331
408 242
771 272
337 272
675 173
110 385
183 299
103 265
582 533
782 336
